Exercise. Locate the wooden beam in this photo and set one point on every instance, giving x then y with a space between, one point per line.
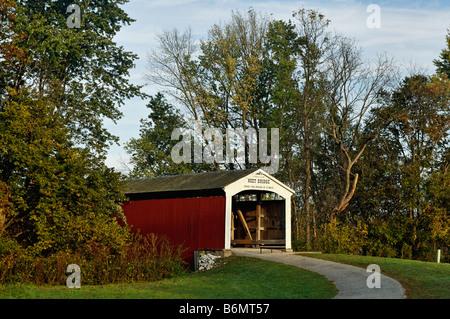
259 242
243 242
232 225
247 230
258 217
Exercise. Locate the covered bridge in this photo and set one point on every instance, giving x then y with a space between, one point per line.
212 211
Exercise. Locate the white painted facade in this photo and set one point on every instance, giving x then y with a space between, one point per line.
258 180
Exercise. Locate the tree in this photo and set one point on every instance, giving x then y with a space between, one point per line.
314 44
296 89
56 86
151 152
355 88
82 71
232 61
60 197
422 129
278 96
218 89
404 174
443 64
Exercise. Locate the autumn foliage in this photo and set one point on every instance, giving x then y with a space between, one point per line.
59 202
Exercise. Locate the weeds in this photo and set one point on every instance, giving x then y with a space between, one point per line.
144 258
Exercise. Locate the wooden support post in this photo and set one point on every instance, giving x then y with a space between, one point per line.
247 230
258 216
232 226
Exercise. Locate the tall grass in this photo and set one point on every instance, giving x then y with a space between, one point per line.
145 258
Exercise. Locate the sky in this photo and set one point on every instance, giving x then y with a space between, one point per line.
412 32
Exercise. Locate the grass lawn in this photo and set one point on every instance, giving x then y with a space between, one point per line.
238 278
421 280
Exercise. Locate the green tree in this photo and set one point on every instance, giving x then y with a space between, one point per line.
312 54
403 174
151 152
278 95
82 71
443 64
60 196
422 128
57 85
296 90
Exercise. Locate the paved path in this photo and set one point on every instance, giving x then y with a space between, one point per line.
350 281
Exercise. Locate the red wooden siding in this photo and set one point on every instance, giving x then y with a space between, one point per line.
197 223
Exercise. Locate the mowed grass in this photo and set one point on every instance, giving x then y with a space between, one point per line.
237 278
421 280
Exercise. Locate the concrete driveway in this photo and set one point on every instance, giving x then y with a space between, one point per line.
350 281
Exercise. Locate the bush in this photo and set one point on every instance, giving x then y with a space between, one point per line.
342 238
384 238
145 258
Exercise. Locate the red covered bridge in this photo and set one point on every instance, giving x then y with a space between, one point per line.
212 211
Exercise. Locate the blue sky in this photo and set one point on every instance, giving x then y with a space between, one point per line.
412 32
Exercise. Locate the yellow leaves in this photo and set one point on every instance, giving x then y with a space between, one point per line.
230 67
234 52
439 85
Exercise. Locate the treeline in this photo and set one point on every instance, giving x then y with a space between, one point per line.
59 202
365 148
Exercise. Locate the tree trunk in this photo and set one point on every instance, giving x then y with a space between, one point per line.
307 184
306 206
350 187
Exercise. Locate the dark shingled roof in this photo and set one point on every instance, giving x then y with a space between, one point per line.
199 181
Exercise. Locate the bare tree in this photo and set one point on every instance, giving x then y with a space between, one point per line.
356 85
217 83
169 67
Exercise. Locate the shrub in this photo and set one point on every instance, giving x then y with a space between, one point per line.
384 237
144 258
342 238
